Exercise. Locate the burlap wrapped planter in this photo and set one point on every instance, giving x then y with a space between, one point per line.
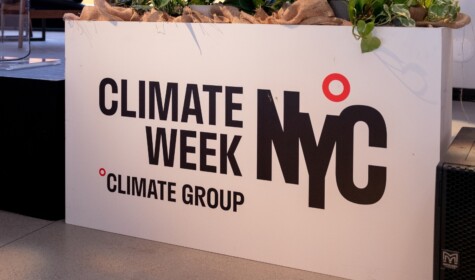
309 12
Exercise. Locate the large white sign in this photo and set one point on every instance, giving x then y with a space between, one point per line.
281 144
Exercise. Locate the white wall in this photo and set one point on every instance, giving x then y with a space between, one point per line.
464 49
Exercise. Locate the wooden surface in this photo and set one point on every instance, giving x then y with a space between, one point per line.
45 14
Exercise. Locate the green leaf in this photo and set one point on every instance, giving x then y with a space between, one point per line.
369 44
247 6
258 3
359 6
364 28
406 22
121 3
384 17
377 6
404 2
443 10
141 8
200 2
437 12
159 4
351 10
400 10
402 15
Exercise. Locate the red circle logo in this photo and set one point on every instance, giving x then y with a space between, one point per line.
344 82
102 172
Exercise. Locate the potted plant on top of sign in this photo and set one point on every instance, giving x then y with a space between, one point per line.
363 15
366 14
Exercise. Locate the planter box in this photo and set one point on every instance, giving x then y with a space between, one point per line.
281 144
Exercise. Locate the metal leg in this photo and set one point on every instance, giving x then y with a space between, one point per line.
43 31
20 24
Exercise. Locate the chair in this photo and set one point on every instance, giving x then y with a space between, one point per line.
38 9
43 15
52 9
12 8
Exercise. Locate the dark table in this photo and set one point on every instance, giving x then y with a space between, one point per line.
32 118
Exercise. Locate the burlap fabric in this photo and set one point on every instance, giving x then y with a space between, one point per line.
309 12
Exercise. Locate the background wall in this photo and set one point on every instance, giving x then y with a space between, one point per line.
464 49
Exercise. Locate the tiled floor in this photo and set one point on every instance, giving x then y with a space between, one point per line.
37 249
33 248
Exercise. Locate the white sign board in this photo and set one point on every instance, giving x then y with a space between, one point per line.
281 144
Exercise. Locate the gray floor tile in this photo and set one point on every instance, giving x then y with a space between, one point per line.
63 251
14 226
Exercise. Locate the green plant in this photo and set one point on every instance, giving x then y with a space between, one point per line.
250 6
443 10
172 7
140 6
201 2
419 3
366 14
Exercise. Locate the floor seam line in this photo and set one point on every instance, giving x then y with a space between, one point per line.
25 235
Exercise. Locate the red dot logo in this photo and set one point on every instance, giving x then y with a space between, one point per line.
102 172
336 97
